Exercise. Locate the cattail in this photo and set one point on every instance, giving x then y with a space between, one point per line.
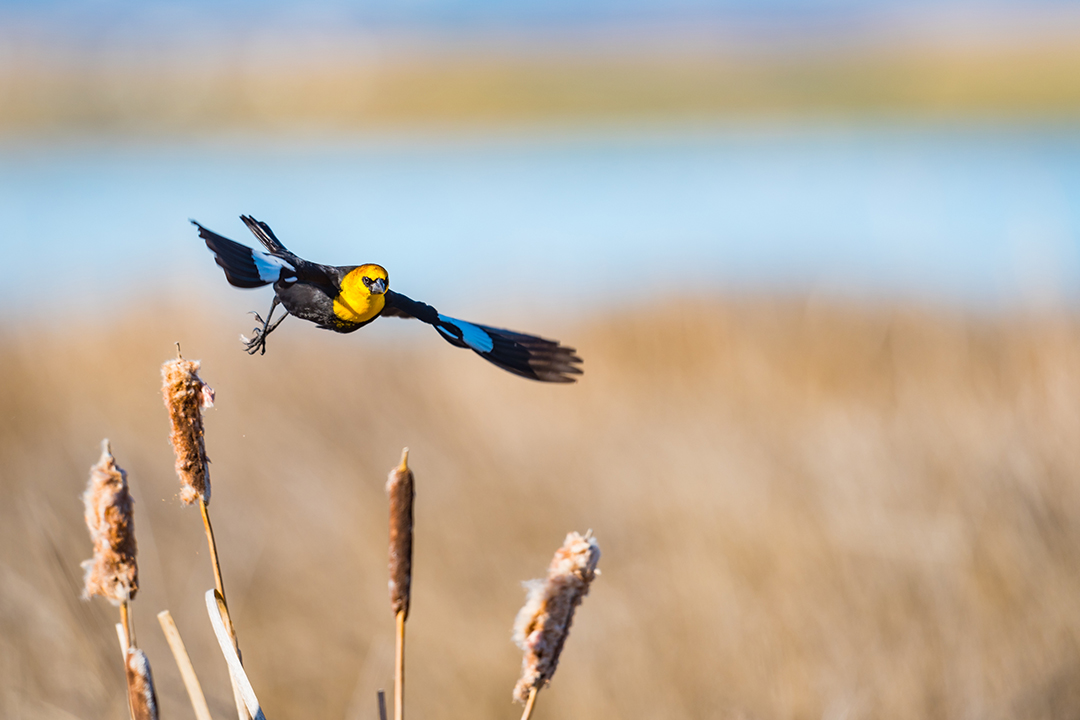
543 624
141 695
399 486
400 489
186 395
113 572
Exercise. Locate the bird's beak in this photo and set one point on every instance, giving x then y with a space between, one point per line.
378 287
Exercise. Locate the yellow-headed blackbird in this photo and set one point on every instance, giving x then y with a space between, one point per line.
346 298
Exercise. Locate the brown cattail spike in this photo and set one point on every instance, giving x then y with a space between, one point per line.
400 488
113 572
543 624
186 395
141 695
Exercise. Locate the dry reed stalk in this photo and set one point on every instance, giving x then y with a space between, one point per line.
219 586
142 700
400 488
122 636
215 606
543 624
380 696
186 396
183 662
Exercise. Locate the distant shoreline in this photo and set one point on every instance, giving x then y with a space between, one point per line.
181 95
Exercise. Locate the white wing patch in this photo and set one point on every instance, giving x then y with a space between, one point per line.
473 336
270 266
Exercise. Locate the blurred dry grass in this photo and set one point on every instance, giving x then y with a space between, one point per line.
207 89
806 511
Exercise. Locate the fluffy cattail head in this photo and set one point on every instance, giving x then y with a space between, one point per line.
185 396
400 489
140 684
113 572
543 624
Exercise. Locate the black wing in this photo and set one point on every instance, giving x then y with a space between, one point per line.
525 355
244 267
248 268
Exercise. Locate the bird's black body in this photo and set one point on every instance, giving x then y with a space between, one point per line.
346 298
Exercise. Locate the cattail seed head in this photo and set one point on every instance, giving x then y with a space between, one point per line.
113 572
399 487
543 624
185 397
140 684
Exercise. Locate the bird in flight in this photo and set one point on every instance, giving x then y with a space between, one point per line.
346 298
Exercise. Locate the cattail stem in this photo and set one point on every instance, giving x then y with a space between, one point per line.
125 622
183 662
219 585
533 692
399 669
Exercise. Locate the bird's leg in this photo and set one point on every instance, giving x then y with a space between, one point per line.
257 344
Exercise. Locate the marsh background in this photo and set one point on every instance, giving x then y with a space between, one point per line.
821 261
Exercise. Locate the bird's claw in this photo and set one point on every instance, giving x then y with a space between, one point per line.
255 344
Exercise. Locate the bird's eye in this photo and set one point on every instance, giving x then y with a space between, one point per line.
367 281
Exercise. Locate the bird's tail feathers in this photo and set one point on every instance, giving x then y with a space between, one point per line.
265 235
526 355
244 267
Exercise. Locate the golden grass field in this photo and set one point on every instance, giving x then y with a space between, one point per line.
207 90
806 510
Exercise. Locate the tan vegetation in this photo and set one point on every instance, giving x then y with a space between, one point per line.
807 510
200 90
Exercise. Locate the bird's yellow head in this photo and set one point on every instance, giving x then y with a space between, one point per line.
361 297
372 277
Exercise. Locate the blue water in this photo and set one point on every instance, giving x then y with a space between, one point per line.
974 215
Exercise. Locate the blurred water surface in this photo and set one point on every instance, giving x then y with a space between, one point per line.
553 220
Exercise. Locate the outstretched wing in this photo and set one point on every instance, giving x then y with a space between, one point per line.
244 267
525 355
